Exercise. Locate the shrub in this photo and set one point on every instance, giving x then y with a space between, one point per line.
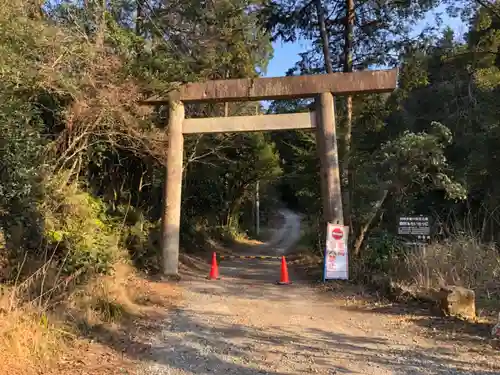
382 250
142 240
77 230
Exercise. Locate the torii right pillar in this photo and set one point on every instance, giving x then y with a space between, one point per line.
326 141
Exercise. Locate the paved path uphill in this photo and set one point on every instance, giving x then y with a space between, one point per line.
244 324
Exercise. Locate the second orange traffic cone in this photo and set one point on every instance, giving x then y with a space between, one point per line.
284 280
214 270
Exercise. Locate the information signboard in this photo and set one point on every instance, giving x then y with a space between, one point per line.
336 254
415 226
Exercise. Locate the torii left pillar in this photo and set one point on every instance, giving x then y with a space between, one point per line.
171 219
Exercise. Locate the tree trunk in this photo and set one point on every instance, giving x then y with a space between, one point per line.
86 9
102 26
346 176
235 205
139 17
364 228
324 36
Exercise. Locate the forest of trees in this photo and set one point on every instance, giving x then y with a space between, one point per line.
82 162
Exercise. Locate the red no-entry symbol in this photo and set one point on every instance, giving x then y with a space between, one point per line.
337 234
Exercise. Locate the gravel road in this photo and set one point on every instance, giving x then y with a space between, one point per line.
244 324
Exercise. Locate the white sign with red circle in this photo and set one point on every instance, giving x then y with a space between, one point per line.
336 255
337 233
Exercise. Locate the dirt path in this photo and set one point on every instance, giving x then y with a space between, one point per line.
284 237
244 324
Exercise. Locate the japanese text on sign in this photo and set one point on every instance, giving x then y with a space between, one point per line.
336 254
414 225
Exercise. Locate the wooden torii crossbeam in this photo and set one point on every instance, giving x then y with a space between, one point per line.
321 87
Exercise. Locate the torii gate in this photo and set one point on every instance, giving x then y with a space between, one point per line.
321 87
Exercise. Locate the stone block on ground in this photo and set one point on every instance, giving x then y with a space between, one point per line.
458 301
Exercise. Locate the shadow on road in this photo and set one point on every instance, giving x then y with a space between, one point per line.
196 347
433 325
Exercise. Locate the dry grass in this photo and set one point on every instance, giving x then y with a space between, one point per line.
63 340
245 241
462 261
28 345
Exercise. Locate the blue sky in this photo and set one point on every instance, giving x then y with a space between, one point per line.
286 54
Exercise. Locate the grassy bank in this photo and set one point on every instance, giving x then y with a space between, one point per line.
65 304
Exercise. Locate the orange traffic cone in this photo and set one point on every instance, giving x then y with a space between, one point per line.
284 280
214 271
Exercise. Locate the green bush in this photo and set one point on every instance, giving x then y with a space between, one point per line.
20 148
382 248
142 240
78 230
